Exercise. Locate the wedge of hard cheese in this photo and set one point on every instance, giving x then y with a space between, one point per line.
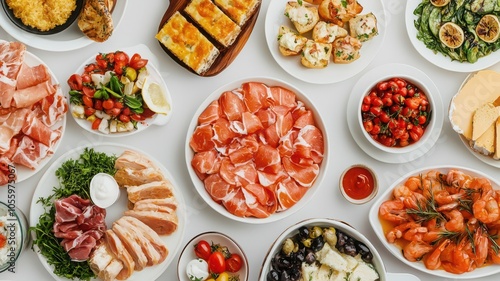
483 119
485 144
483 87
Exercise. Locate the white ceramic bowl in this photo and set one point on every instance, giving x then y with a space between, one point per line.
396 250
18 234
211 237
321 222
427 132
198 184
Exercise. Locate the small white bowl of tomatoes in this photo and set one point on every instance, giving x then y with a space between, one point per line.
212 256
396 112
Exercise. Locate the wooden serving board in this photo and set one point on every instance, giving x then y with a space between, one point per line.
227 54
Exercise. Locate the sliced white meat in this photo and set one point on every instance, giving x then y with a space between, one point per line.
150 234
161 223
169 202
151 190
147 247
135 250
118 249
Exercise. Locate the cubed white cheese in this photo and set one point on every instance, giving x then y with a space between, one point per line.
324 273
352 262
334 259
309 271
364 272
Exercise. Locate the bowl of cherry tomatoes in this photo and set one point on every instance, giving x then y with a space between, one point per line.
212 256
395 113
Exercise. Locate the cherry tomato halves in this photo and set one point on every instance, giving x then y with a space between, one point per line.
202 249
216 263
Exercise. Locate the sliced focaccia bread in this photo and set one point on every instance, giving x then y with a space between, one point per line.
346 49
316 55
325 32
303 17
363 27
483 118
213 21
289 42
187 43
238 10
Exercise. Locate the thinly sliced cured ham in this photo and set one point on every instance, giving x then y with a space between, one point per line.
11 127
37 130
266 148
52 108
30 76
11 60
29 96
29 153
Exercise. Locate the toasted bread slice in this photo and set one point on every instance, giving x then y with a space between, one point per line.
316 55
325 32
238 10
483 118
95 20
161 223
213 20
363 27
127 177
338 11
346 49
303 17
150 234
485 144
151 190
289 42
120 252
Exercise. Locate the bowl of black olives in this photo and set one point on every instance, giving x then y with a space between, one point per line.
322 249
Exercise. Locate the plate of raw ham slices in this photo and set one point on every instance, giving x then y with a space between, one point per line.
256 150
136 238
32 113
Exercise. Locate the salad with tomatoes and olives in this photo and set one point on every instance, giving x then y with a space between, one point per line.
396 112
109 92
214 262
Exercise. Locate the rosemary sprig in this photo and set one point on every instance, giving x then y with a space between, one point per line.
426 211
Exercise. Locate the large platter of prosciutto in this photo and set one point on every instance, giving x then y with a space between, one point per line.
107 212
32 113
256 150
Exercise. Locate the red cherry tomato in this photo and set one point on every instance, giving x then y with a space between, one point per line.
234 263
89 68
75 82
87 101
96 123
98 105
136 62
87 91
89 111
119 66
86 78
147 113
216 263
202 249
122 57
108 104
124 118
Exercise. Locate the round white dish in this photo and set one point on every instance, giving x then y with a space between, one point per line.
396 251
333 72
173 241
69 39
198 184
486 159
24 173
353 109
439 59
154 74
212 237
347 229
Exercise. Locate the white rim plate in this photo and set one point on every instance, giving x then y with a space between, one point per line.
353 110
24 173
211 237
333 72
158 119
486 159
439 59
70 39
49 180
198 184
396 251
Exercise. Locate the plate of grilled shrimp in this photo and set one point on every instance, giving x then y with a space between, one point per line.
72 25
324 41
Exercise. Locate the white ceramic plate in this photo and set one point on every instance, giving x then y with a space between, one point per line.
70 39
353 111
24 173
198 184
212 237
49 180
396 251
154 74
333 72
486 159
439 59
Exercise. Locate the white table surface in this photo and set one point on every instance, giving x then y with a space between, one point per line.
188 91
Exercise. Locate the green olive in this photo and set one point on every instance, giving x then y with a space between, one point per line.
316 231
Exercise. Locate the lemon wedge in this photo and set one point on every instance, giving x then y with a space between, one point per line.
451 35
155 97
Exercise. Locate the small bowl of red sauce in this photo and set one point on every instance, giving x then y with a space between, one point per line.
358 184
